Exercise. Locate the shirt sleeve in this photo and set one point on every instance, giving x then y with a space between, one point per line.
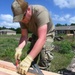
42 18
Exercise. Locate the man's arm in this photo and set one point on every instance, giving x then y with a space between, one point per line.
42 32
23 39
22 43
26 62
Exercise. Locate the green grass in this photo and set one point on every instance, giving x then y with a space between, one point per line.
8 44
7 47
60 61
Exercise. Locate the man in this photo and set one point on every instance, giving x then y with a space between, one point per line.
34 18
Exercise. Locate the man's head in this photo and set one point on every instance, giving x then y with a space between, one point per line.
18 8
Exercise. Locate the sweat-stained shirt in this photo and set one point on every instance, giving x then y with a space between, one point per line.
40 16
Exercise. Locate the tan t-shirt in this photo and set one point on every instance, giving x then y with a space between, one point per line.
40 16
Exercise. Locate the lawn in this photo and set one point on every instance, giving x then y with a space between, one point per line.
8 44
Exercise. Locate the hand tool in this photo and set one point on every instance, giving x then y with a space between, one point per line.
17 62
37 69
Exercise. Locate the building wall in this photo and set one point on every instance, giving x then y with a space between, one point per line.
67 32
11 33
7 32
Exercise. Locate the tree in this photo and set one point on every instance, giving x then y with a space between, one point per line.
65 25
18 30
4 27
58 24
72 24
12 29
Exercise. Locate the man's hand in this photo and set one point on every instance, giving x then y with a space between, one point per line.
18 53
25 65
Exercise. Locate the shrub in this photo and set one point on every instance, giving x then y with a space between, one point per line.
65 47
73 44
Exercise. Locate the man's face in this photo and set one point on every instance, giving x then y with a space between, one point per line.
26 17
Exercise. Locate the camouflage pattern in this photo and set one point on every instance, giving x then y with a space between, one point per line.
45 55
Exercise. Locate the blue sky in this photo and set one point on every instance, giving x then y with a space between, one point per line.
61 11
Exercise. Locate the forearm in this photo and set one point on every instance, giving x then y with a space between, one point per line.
37 47
22 42
19 49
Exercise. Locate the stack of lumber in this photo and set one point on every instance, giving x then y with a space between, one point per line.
8 68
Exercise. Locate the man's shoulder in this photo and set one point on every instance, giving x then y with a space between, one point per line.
38 7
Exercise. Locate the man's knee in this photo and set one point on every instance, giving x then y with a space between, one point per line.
45 59
46 55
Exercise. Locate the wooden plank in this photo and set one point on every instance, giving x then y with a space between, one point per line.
10 69
7 65
10 72
7 72
3 73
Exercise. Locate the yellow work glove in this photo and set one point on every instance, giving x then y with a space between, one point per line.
18 53
25 65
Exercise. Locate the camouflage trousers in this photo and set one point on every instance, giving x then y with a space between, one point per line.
45 56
